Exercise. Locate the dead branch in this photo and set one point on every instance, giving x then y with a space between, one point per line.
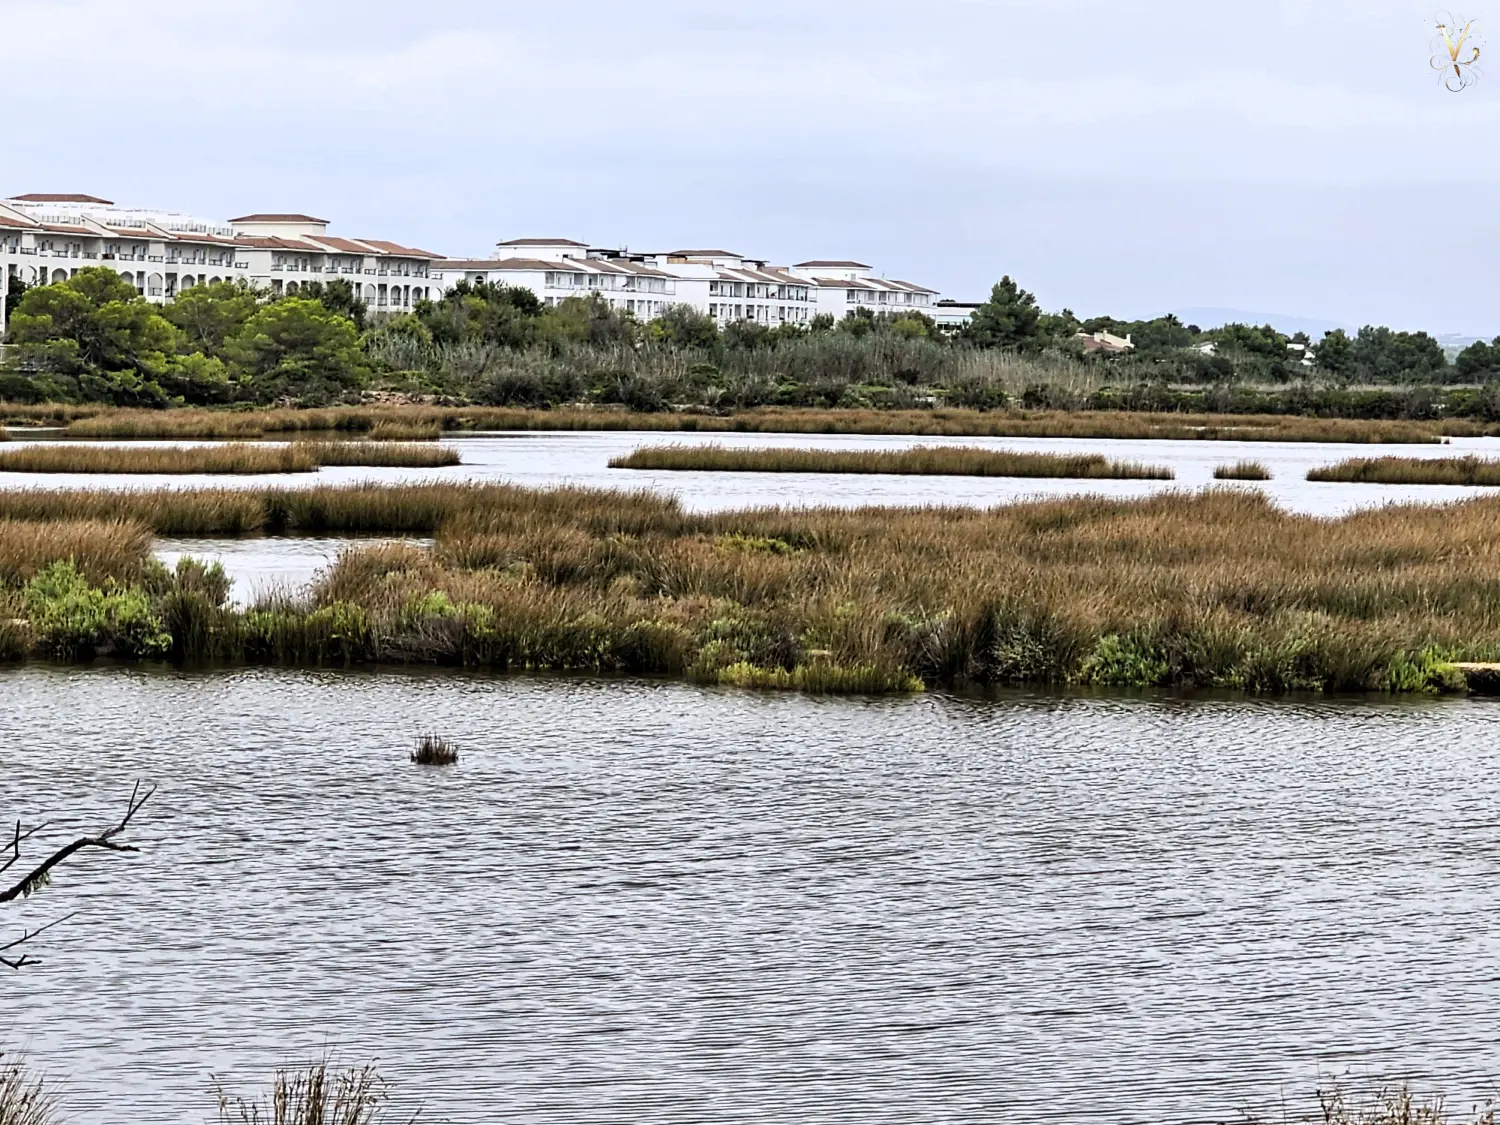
39 876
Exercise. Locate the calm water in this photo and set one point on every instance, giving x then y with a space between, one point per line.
657 903
542 459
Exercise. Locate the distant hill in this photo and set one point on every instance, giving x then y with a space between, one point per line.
1290 325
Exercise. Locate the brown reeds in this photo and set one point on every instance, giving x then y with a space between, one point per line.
1411 470
25 1098
922 460
1242 470
317 1095
394 430
1341 1104
238 458
391 455
1216 589
918 423
101 549
434 751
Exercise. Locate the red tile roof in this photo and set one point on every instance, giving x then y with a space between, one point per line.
397 249
44 198
273 218
831 265
541 242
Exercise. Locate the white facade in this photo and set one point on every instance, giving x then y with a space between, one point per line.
48 238
724 285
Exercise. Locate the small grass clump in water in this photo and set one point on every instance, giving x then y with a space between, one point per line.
1411 470
434 751
318 1095
921 460
1242 470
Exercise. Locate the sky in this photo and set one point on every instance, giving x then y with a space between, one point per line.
1122 157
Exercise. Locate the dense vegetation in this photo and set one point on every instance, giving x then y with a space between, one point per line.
921 460
1218 589
237 458
93 338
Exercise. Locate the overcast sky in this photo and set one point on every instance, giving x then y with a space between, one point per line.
1116 156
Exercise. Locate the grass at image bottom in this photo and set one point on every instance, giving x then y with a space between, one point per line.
1213 589
921 460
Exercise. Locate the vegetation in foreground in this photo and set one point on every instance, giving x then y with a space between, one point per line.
1242 470
923 460
1105 424
1411 470
1339 1104
25 1099
239 458
1218 589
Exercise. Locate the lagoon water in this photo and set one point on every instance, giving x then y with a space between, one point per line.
539 459
646 902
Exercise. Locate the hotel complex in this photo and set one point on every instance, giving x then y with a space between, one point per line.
48 238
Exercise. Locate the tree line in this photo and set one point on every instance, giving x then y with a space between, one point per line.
94 338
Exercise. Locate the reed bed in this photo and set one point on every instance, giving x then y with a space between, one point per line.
1411 470
25 1098
236 458
397 455
1213 589
1242 470
102 549
239 458
919 423
4 434
406 431
921 460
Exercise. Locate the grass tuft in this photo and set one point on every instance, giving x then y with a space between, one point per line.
317 1095
1411 470
236 459
395 430
24 1099
1242 470
921 460
434 751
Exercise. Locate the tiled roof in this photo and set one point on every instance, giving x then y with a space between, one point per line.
343 245
42 197
541 242
397 249
274 218
832 265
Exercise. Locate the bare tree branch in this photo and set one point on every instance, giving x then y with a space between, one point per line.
38 877
26 959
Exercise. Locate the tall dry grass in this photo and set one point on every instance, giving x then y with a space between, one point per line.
318 1095
1214 589
382 454
1217 589
1411 470
921 460
1340 1104
101 549
1242 470
237 459
946 422
25 1098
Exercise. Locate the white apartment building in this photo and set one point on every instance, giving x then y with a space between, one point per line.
48 238
845 287
723 284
